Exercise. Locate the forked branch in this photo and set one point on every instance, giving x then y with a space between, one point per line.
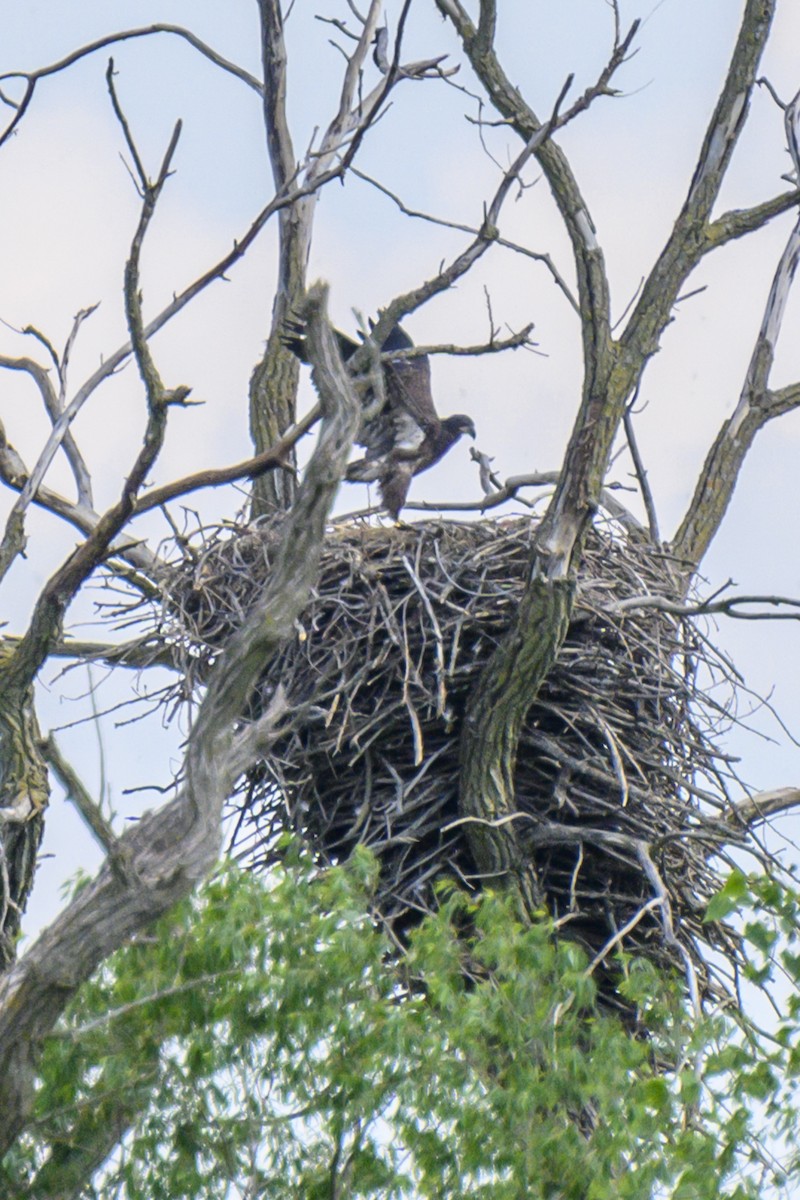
54 401
486 236
757 404
50 608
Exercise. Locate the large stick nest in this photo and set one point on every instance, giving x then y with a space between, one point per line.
371 692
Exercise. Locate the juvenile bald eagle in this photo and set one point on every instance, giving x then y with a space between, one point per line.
407 435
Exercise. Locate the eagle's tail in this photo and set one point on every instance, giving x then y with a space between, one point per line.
363 470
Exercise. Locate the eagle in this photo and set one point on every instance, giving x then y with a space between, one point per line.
406 436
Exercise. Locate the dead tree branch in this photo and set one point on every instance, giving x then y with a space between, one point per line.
487 235
757 403
32 78
49 610
273 386
641 474
601 87
77 792
593 295
13 471
15 475
276 456
742 221
417 214
729 607
171 849
494 346
760 807
510 491
689 238
137 654
54 401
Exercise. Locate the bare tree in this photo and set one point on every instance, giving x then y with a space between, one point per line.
148 868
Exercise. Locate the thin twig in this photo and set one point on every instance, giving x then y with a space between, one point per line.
32 77
536 255
90 811
728 607
641 473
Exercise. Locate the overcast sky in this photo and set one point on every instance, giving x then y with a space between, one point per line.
69 210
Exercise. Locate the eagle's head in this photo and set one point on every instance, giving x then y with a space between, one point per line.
458 424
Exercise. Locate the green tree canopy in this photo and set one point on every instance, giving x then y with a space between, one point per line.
265 1040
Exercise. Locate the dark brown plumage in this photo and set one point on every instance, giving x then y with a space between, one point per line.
407 435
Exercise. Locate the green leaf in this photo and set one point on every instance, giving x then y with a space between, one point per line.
728 898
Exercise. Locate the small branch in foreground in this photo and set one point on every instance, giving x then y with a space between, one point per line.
727 607
76 791
254 741
489 480
757 405
80 471
75 1033
137 654
251 468
741 221
158 397
14 473
494 346
11 465
641 473
763 805
54 401
509 491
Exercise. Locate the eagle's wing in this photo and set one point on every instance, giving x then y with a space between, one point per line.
408 384
378 434
293 336
392 440
408 416
406 420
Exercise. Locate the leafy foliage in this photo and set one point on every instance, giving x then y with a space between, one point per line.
264 1041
